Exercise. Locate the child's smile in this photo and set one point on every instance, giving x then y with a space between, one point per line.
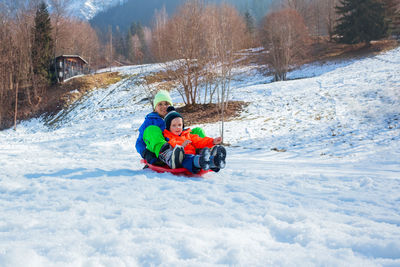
176 126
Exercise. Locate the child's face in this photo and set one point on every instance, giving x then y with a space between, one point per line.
161 108
176 126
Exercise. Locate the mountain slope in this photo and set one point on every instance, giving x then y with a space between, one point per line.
75 194
87 9
142 11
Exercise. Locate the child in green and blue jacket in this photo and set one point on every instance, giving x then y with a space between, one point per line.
151 144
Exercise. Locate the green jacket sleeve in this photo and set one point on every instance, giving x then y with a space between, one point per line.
154 139
199 131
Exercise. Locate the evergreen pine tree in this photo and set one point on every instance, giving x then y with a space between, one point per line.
250 24
137 29
119 42
361 21
42 47
128 46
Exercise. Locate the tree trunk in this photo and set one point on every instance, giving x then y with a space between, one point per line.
16 106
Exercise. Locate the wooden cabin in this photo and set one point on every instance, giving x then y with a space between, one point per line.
68 66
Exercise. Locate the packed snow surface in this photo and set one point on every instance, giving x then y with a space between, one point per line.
312 178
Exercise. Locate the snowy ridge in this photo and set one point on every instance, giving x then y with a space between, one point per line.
87 9
73 193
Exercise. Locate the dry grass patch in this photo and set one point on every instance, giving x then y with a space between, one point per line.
77 87
197 113
89 82
325 50
162 80
64 94
209 113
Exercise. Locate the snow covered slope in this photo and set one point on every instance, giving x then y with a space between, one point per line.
73 193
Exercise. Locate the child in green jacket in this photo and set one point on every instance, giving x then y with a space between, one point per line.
151 144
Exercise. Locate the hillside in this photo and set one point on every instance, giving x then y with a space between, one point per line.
143 11
323 51
312 177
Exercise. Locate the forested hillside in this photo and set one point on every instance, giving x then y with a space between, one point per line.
143 11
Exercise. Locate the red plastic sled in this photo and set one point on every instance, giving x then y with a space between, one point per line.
178 171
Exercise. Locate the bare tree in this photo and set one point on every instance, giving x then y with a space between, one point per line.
109 48
159 34
330 16
300 6
59 11
87 42
137 49
21 63
319 15
285 36
226 35
314 23
186 46
392 8
78 37
5 57
7 62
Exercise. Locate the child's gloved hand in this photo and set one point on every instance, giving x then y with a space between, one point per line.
186 142
217 140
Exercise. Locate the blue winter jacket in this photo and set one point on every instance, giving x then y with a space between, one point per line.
151 119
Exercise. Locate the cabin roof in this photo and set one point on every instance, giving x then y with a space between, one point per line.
72 56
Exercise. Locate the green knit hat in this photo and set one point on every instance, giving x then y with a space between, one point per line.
162 95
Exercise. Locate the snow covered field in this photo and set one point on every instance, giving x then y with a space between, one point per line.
312 179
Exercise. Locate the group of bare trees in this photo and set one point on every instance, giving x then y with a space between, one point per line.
287 31
199 45
15 60
319 15
200 42
20 85
286 37
78 37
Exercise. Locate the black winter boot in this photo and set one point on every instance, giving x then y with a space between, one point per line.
217 158
202 160
172 156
